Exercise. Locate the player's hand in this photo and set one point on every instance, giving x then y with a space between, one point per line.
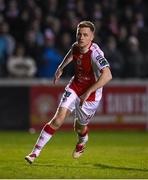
57 75
84 97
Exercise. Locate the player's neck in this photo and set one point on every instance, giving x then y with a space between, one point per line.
85 49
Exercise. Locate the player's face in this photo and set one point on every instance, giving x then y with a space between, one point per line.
84 37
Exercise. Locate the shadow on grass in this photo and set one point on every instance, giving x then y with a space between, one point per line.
92 166
105 166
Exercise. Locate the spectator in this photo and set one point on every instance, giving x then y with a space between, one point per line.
32 46
134 59
114 57
21 66
50 58
12 17
113 24
9 39
64 44
2 6
122 39
111 17
3 51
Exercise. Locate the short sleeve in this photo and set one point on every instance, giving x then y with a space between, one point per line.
99 59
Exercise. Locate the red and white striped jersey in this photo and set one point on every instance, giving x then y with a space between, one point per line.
88 68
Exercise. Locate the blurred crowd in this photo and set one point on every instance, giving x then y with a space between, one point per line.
36 34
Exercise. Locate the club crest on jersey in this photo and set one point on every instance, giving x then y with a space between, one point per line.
79 62
81 56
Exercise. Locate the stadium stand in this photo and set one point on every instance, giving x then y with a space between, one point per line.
45 29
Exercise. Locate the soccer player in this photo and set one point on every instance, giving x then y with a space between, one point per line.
82 94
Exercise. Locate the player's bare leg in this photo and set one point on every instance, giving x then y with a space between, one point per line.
47 133
82 132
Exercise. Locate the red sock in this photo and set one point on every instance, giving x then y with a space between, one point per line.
48 129
83 133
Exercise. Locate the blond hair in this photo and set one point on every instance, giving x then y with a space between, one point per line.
88 24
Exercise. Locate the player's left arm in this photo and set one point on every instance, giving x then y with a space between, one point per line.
103 66
104 78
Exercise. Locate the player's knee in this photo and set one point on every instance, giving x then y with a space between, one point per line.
77 127
80 129
57 121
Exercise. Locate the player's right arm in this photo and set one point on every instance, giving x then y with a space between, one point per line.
67 59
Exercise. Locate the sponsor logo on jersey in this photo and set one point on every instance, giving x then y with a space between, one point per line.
66 95
103 62
99 57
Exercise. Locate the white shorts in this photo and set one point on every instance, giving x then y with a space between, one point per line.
83 114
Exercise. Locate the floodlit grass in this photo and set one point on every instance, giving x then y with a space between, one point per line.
108 155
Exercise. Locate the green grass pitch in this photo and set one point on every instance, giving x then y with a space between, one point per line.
108 155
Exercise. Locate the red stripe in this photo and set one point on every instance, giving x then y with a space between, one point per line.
84 133
49 129
37 146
